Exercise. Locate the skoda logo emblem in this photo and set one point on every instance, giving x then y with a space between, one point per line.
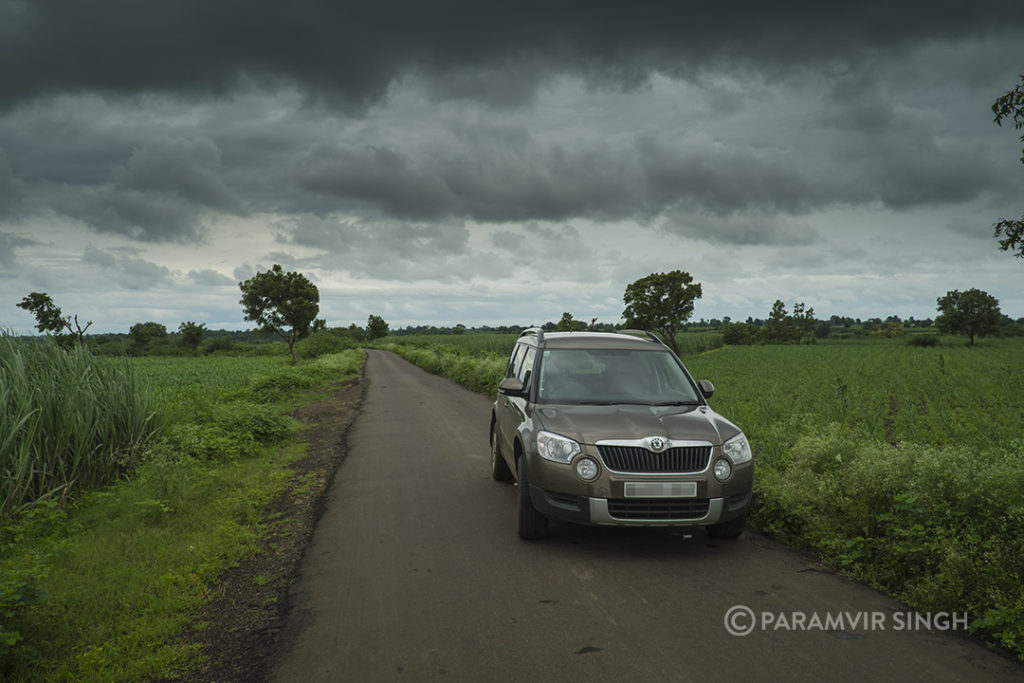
657 444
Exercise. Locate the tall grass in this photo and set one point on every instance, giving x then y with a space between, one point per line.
68 420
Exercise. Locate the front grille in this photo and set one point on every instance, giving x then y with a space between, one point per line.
638 459
658 508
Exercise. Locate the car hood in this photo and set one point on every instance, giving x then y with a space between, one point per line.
590 424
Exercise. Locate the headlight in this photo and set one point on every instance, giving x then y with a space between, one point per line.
556 448
723 470
738 449
586 469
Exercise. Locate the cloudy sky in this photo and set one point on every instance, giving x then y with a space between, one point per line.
500 163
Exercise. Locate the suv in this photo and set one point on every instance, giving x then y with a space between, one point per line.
611 429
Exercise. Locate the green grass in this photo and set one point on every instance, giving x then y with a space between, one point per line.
102 588
68 421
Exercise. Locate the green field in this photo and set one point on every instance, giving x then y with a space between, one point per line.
903 466
100 582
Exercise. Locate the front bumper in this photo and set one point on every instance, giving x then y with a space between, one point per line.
639 511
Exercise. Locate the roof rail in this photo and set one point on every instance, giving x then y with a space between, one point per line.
643 333
535 331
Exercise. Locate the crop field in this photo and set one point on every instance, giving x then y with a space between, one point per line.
99 577
903 466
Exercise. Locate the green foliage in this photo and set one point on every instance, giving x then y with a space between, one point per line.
661 302
739 333
376 327
1011 105
192 335
923 340
141 334
104 588
784 328
69 421
568 324
284 304
974 313
51 320
890 329
323 343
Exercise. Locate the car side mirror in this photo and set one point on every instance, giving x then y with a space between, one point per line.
511 385
706 388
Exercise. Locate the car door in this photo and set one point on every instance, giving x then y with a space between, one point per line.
511 410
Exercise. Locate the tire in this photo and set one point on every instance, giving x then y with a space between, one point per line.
499 468
731 529
532 524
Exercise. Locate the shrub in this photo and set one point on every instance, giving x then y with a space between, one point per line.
923 340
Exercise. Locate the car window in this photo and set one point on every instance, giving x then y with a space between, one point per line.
526 367
611 376
510 371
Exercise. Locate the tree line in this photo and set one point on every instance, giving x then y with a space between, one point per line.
286 305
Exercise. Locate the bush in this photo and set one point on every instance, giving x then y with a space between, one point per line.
739 333
923 340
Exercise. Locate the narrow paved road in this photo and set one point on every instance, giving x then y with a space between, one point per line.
415 572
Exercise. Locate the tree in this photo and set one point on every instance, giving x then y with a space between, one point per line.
778 329
661 302
1011 105
192 335
974 313
376 327
141 334
568 324
50 319
285 304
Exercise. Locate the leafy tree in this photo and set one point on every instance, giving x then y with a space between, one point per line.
356 332
568 324
1011 105
192 335
661 302
50 319
974 313
140 334
783 328
376 327
778 329
285 304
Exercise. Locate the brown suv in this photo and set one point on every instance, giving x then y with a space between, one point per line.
610 428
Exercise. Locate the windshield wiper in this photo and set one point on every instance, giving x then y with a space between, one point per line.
676 403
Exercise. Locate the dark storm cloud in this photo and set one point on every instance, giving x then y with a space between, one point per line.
351 51
159 195
8 243
388 248
10 188
894 155
127 269
504 174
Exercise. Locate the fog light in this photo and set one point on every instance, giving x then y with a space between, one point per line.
723 470
586 469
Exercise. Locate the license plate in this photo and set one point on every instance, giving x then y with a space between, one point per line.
661 489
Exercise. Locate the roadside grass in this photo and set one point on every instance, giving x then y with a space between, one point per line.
114 578
901 465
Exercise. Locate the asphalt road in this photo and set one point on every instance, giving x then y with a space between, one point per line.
415 572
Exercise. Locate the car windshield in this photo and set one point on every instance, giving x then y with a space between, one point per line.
613 376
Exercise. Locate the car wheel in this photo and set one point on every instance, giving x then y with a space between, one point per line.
731 529
532 524
499 468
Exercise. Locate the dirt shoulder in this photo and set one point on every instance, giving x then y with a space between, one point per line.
247 613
